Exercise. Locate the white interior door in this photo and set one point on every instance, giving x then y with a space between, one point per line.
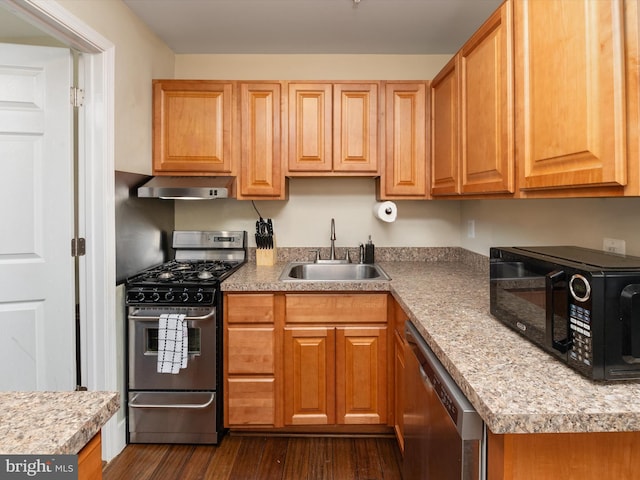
37 293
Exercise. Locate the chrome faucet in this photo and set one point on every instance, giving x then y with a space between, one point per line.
332 253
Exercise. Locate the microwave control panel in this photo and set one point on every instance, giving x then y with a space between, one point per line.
580 324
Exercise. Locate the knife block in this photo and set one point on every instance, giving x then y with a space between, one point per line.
267 256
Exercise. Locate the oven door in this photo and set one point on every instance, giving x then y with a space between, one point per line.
200 373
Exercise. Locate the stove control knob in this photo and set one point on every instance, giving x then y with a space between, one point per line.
168 296
141 296
199 296
155 296
184 296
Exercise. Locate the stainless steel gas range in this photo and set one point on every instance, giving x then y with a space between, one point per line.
174 315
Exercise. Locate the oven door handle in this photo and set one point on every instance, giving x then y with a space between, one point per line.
141 318
171 405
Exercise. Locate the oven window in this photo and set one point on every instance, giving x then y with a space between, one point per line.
151 341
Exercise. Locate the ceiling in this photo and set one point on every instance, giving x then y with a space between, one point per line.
397 27
418 27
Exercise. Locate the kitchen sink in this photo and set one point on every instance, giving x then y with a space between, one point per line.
333 272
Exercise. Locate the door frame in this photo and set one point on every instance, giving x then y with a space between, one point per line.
96 210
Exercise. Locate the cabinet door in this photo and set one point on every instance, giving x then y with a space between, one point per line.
398 390
361 375
570 93
309 370
261 141
444 131
486 114
405 172
310 127
355 127
192 127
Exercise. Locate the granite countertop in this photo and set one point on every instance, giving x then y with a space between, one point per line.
36 423
515 386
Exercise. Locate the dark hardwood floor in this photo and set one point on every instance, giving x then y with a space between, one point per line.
261 458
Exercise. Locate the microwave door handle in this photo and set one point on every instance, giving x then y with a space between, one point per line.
553 280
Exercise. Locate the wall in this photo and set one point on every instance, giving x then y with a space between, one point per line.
583 222
140 56
305 219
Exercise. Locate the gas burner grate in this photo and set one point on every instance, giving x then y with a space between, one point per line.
186 271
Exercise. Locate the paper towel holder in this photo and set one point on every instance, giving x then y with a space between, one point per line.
385 211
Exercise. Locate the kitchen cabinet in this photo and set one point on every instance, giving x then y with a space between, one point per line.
335 359
251 359
444 131
472 126
588 456
570 79
303 360
406 165
398 317
90 459
333 128
262 147
193 127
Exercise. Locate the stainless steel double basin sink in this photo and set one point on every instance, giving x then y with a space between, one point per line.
333 272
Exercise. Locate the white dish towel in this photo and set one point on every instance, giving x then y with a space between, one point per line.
173 343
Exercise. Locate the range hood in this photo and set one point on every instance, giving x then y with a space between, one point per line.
188 188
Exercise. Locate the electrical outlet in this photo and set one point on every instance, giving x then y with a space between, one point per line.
614 245
471 229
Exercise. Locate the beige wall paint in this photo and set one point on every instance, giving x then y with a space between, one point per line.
305 219
584 222
140 56
309 67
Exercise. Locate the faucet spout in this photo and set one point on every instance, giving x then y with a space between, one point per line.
332 253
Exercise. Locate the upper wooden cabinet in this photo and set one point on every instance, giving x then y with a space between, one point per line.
444 131
472 139
333 128
405 133
192 127
262 116
570 93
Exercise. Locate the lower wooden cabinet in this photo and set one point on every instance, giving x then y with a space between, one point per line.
251 360
90 459
293 360
309 370
335 375
398 388
571 456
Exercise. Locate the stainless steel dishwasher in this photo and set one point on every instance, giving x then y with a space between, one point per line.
444 435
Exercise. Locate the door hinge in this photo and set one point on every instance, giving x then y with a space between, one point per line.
78 248
77 97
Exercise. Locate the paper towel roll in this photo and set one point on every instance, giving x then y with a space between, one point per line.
385 211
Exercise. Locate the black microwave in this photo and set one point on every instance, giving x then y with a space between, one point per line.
580 305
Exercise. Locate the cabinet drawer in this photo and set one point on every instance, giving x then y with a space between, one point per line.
250 308
343 308
250 350
251 401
